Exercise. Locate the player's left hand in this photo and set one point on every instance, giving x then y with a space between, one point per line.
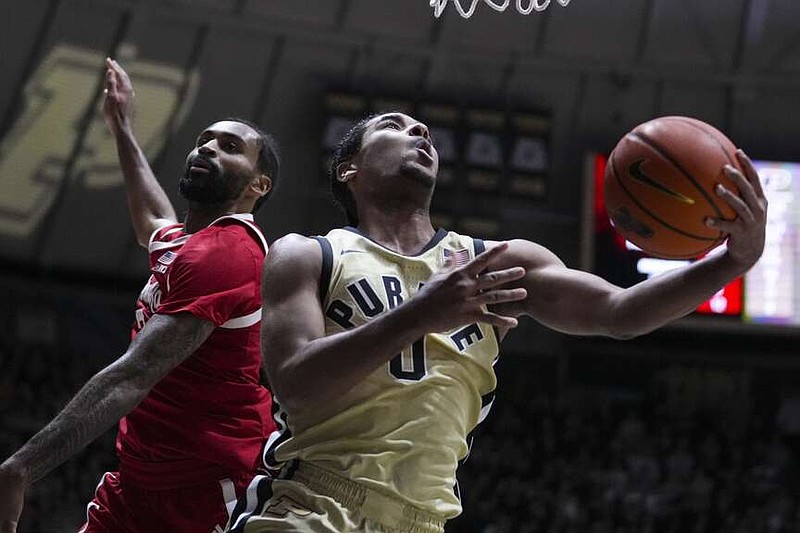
747 231
12 496
119 96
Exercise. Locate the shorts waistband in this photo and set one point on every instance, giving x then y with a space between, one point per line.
371 504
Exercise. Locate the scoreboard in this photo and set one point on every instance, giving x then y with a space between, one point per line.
769 293
491 160
772 291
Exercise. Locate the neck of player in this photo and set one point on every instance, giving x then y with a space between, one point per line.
403 230
200 216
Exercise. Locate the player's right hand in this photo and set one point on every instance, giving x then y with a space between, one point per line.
118 97
12 496
748 231
456 296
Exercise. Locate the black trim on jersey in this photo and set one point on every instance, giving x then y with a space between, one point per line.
436 239
282 427
469 439
241 504
327 266
478 246
497 338
485 400
290 469
263 494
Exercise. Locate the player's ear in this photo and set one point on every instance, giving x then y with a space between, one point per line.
261 184
346 171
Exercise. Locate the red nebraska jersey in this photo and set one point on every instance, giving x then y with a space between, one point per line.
208 418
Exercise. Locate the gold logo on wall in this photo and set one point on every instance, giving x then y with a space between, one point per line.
35 152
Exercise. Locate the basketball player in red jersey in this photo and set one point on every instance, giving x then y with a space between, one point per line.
381 346
192 414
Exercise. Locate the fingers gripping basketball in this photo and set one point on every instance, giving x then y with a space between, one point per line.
660 186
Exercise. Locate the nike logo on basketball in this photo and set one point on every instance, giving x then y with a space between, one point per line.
638 174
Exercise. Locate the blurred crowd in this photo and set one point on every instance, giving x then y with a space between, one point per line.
590 462
35 383
574 460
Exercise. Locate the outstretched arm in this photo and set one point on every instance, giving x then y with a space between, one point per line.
581 303
306 367
148 204
164 342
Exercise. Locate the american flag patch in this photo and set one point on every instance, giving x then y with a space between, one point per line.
167 258
460 256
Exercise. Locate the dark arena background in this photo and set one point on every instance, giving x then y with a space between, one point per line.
693 428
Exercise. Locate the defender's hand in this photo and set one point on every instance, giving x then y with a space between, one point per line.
457 296
119 96
12 496
747 232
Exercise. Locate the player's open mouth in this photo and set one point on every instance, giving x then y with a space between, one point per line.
425 149
425 154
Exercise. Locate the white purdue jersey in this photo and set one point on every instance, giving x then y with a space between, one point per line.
404 429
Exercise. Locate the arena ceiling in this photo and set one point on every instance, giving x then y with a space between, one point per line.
598 67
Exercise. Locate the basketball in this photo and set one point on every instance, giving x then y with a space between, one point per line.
659 186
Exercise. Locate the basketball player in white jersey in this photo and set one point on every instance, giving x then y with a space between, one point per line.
379 344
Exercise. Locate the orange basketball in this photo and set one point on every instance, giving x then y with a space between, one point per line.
659 186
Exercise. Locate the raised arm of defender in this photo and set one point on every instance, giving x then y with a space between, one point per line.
305 366
148 204
580 303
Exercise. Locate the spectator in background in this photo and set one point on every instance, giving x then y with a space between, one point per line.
672 477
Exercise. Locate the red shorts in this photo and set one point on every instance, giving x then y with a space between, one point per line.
120 507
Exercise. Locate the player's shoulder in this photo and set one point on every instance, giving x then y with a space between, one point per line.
229 245
167 233
449 238
231 232
293 241
293 261
296 248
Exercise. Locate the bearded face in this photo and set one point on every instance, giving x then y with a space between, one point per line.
205 181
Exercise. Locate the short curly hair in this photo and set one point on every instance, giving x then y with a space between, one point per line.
269 158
